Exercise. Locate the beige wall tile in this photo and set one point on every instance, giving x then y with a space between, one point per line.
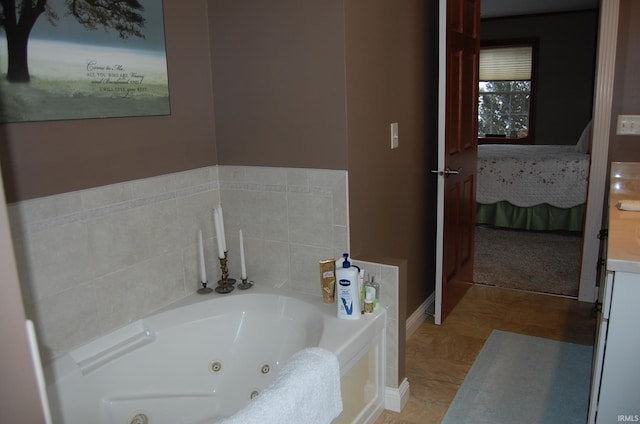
305 275
67 319
310 220
170 183
107 195
195 212
60 258
49 207
129 294
120 240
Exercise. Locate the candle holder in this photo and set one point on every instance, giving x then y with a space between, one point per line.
245 284
204 289
225 284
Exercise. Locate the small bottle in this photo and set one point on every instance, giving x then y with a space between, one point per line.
361 287
371 285
368 300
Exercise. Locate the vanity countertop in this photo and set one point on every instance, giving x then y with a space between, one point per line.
623 250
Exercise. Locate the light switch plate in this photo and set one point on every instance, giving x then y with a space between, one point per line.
628 125
394 135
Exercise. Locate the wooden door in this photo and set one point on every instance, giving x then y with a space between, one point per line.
459 152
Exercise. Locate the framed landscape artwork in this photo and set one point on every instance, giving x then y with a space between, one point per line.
62 59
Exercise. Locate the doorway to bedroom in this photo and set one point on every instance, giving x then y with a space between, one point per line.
542 262
524 240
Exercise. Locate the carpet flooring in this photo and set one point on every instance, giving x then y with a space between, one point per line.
523 379
531 261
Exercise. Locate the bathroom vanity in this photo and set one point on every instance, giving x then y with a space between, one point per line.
615 389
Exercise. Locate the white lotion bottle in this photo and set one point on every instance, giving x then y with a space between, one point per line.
348 293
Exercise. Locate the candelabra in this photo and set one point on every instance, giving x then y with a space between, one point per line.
245 284
204 289
225 284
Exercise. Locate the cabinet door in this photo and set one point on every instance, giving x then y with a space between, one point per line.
596 372
619 394
604 298
605 295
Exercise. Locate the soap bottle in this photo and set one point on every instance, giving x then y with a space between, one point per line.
347 295
370 286
368 301
361 287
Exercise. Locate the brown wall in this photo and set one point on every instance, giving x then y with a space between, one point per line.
385 50
295 84
626 92
45 158
318 86
385 42
282 98
279 87
566 68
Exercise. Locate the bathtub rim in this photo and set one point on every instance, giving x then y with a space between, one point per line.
337 335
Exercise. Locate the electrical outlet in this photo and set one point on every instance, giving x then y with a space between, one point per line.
394 135
628 125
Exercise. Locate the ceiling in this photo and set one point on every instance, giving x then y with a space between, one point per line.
496 8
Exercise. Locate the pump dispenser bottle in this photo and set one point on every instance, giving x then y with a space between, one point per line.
348 293
370 286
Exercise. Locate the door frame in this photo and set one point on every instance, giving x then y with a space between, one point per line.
442 110
603 98
23 398
600 133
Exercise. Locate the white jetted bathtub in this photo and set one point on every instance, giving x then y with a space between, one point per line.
203 358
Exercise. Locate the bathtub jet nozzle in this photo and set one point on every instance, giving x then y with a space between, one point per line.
225 284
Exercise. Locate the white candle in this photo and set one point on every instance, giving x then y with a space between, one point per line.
203 271
216 219
243 265
223 235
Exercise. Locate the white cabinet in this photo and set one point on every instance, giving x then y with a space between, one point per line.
602 324
615 389
618 367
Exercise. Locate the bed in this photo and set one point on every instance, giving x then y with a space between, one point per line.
533 187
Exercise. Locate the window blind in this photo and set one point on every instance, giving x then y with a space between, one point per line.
505 63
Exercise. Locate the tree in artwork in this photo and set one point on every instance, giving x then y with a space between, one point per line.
17 18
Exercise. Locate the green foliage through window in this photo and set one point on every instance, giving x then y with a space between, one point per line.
503 108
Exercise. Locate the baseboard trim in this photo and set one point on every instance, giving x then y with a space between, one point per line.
419 316
396 399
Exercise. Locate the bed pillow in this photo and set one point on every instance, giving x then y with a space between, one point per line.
584 142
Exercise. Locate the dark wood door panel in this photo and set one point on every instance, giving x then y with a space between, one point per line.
460 150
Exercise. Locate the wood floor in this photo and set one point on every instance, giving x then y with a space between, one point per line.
439 357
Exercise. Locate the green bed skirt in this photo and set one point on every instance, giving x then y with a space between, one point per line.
538 218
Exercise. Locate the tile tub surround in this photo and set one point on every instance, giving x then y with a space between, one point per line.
94 260
290 219
388 278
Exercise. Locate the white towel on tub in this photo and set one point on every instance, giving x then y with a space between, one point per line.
306 391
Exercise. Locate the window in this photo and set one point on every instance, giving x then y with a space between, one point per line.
505 92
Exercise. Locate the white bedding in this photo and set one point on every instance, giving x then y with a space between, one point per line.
526 175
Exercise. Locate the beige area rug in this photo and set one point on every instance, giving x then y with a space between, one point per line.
532 261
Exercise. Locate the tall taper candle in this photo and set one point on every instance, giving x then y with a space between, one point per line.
203 271
243 266
216 219
224 236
